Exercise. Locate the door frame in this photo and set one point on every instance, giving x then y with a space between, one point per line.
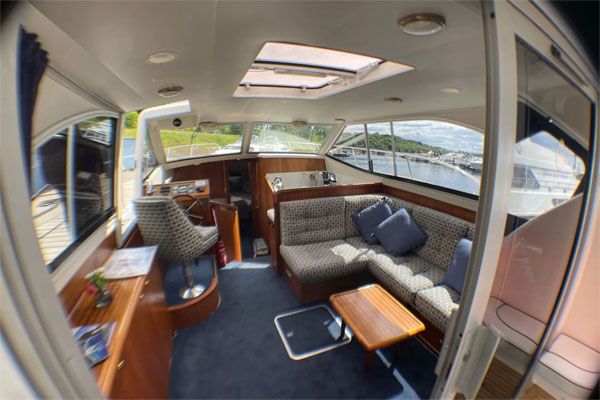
504 22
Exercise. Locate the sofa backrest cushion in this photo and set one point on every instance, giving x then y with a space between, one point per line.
444 232
312 221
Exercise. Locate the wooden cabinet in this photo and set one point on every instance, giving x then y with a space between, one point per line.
143 368
140 351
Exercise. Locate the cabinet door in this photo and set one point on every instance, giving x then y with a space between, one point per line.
144 364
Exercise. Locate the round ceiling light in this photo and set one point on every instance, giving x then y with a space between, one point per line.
422 24
170 91
451 90
162 57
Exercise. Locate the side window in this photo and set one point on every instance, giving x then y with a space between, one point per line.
546 172
439 153
127 171
380 147
72 185
201 141
351 147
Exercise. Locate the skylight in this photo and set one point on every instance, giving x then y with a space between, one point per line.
285 70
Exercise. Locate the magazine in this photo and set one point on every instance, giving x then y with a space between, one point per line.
130 262
94 341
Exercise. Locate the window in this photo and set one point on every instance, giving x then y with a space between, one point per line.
201 141
380 147
281 138
72 185
546 173
351 147
310 72
439 153
433 152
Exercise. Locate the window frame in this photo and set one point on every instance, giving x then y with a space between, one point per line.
316 153
163 148
399 178
107 214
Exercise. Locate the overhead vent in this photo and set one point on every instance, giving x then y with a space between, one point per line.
285 70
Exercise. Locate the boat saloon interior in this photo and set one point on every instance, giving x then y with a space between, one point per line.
298 199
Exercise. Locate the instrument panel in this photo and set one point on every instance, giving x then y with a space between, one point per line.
185 188
195 188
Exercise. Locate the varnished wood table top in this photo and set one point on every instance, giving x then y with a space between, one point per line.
375 316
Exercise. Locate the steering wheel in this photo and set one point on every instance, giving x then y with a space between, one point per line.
186 209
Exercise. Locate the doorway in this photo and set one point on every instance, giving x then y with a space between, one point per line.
240 192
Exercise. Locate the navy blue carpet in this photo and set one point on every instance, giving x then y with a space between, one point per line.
237 353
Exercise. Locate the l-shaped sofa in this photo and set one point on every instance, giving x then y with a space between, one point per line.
323 250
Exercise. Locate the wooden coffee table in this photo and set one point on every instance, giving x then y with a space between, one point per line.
377 319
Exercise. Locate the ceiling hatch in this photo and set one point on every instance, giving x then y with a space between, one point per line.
286 70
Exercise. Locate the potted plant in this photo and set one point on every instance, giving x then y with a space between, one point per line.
97 286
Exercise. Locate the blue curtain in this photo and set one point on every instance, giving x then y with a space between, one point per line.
31 64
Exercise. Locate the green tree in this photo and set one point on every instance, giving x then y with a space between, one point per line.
131 119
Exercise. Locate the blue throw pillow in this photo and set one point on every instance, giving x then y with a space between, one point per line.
399 233
367 219
455 276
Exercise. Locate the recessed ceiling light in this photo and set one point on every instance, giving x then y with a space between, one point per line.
208 126
162 57
170 91
451 90
393 99
299 125
422 24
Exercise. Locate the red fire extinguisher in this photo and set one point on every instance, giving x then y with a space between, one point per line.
221 255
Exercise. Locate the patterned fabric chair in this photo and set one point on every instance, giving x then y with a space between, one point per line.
162 222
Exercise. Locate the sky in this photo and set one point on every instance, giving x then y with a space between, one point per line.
434 133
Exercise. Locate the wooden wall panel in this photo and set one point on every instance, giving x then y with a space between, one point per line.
215 172
266 166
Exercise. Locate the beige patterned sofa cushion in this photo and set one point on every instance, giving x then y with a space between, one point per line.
361 245
436 304
443 231
324 260
404 276
312 221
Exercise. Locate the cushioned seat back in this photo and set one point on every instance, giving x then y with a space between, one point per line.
312 221
362 201
396 204
444 232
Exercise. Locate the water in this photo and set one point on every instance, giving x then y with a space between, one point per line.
128 154
434 174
